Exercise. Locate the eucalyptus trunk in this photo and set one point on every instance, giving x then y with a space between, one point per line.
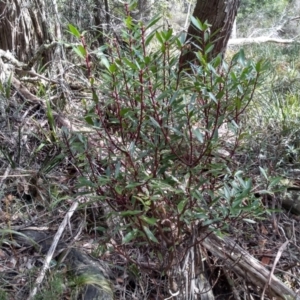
220 14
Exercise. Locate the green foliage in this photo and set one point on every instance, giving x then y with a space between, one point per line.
164 137
252 6
53 290
74 31
275 115
255 17
5 87
3 295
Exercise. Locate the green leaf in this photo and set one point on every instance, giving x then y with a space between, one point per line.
129 236
212 96
263 172
1 87
181 205
206 38
82 181
164 95
74 30
238 173
118 166
147 60
175 131
226 191
92 81
149 38
154 122
89 120
210 222
274 182
119 189
153 22
105 61
198 135
131 148
159 37
167 34
50 115
128 22
40 147
112 68
80 51
130 213
180 41
217 61
208 48
197 23
133 185
124 111
145 201
129 63
260 66
240 58
95 97
220 94
150 221
150 235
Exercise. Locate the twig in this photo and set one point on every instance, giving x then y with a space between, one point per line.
52 249
279 253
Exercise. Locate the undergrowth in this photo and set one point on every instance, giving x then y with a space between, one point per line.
172 148
274 117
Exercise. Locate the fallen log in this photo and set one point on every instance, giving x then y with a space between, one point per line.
238 260
259 40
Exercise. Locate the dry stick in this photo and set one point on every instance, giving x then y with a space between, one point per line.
279 253
11 176
52 249
4 176
242 263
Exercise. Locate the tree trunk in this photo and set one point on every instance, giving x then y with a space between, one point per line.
142 11
23 28
220 14
101 12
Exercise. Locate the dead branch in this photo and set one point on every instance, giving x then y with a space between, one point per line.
244 265
259 40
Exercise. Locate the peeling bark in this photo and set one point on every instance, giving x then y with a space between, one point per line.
23 28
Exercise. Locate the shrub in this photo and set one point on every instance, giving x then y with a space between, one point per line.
163 139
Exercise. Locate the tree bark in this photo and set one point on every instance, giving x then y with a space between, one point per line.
220 14
23 28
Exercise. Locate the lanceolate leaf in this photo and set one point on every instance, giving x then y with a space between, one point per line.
74 30
150 235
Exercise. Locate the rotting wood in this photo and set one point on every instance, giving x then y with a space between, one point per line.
236 259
